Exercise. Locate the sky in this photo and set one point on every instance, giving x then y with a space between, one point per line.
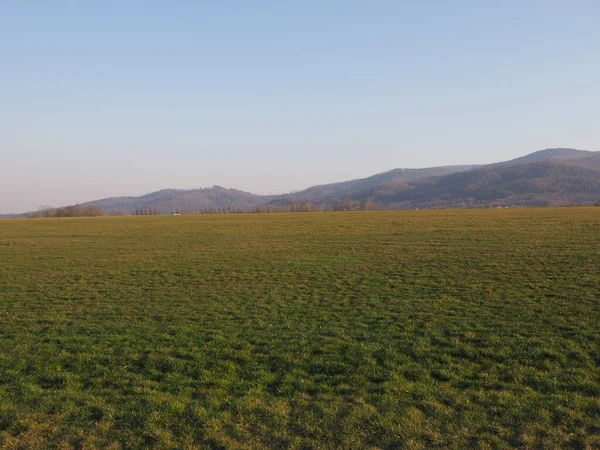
110 98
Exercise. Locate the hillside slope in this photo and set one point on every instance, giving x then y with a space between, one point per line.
391 176
544 182
214 199
548 177
552 153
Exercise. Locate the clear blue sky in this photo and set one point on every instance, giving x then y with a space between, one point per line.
104 98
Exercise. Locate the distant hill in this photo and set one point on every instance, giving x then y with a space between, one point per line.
219 199
552 153
392 176
214 199
550 177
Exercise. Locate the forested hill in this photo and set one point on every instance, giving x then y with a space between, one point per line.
545 182
551 177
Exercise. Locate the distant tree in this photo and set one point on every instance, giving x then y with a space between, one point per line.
115 212
310 207
71 211
94 211
370 205
45 210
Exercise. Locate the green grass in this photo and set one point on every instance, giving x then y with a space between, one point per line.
447 329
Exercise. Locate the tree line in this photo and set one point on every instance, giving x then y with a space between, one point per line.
146 212
338 205
46 211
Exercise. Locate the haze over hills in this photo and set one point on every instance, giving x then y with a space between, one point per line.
391 176
550 177
181 200
553 153
539 183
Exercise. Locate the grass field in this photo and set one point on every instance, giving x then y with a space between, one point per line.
447 329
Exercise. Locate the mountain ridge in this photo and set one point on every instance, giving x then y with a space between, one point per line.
546 182
546 177
551 153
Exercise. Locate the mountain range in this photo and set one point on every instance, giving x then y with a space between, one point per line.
551 177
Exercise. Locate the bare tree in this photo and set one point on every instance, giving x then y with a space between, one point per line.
45 210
